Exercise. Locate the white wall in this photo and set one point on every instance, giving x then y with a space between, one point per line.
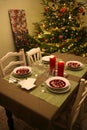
33 11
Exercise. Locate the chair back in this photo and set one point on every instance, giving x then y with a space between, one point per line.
33 55
11 60
81 95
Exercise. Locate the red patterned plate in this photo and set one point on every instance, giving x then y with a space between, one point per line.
74 65
22 71
57 83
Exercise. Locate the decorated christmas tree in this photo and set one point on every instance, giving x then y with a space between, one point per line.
62 28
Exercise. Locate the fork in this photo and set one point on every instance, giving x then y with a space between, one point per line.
13 79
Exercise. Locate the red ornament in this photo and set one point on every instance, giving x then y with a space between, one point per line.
60 36
81 10
53 38
77 38
63 9
46 9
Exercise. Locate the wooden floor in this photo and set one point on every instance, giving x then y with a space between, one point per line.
20 125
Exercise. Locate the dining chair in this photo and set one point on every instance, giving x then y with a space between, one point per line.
67 119
83 117
33 55
11 60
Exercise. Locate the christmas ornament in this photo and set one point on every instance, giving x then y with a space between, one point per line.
81 10
46 9
60 36
63 10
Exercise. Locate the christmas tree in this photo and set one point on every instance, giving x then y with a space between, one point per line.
62 27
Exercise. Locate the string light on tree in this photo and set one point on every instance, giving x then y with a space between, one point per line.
62 29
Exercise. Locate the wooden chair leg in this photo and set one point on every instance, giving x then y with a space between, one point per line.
10 119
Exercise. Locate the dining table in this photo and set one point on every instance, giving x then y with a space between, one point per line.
39 106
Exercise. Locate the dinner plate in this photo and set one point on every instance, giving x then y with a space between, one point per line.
59 91
74 65
46 59
57 83
22 71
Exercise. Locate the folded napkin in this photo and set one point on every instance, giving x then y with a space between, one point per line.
27 83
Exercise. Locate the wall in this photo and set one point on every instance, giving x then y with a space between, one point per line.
33 14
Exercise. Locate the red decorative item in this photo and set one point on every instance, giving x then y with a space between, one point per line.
46 9
60 36
19 27
60 68
53 38
63 9
52 64
81 10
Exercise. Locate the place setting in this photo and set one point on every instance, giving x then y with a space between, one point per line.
22 71
58 84
20 75
74 65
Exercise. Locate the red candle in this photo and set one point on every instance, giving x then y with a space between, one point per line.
52 64
60 68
